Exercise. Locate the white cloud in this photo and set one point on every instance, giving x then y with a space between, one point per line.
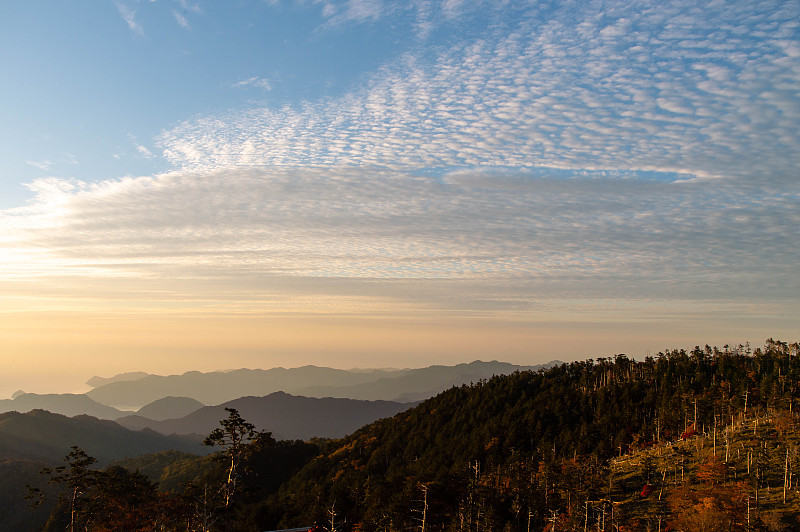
186 5
144 150
363 9
578 135
452 8
129 16
255 81
41 165
505 239
180 19
556 91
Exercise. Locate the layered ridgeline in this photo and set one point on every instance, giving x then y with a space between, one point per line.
68 404
215 388
288 417
46 437
161 397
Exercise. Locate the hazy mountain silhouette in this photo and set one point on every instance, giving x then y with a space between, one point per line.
43 436
169 408
217 387
286 416
96 381
68 404
421 384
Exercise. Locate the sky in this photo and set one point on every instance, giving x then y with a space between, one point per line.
204 185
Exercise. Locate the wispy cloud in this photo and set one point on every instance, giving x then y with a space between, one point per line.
141 149
255 81
41 165
353 12
129 16
180 19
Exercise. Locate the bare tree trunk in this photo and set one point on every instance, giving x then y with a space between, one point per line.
785 475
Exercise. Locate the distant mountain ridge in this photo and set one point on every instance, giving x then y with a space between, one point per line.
43 436
218 387
96 381
406 385
170 408
288 417
420 384
70 404
67 404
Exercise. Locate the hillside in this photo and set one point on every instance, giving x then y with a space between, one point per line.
15 475
169 408
38 439
741 477
529 448
46 437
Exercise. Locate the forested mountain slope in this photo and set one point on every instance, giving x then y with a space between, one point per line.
494 455
42 436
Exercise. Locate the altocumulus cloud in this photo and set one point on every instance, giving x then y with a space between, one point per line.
631 86
615 150
526 236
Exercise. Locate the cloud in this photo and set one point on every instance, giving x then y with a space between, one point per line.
144 151
644 87
186 5
141 149
576 155
471 240
255 81
349 12
129 16
41 165
360 10
180 19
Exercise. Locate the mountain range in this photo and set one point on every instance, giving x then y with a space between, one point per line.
403 385
163 403
46 437
288 417
68 404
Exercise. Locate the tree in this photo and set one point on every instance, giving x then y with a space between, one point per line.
235 438
113 499
78 481
126 500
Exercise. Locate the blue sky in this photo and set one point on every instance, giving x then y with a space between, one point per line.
577 178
